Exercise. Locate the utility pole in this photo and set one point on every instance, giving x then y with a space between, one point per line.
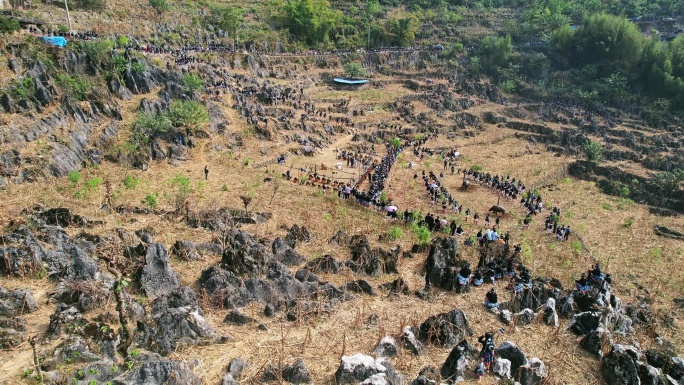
66 6
368 41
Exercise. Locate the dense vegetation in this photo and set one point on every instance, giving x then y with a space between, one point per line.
578 52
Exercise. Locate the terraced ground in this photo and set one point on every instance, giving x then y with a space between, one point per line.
540 144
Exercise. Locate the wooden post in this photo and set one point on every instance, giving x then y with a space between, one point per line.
66 6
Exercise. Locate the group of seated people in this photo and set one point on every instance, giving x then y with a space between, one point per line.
596 278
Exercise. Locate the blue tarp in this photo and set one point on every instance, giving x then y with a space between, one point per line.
354 82
55 40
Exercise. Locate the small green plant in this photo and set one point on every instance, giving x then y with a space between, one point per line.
122 41
93 372
421 232
89 186
395 142
74 177
80 373
624 203
69 360
567 180
607 206
656 252
624 191
151 200
476 167
135 353
120 285
114 369
526 252
92 382
26 373
395 233
129 365
130 182
247 161
181 184
427 164
628 222
576 247
104 328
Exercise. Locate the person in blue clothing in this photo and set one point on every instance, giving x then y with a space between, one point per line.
582 284
480 370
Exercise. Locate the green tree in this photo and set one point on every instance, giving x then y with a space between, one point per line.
188 114
310 21
98 52
401 30
602 38
228 19
192 83
593 151
354 70
160 6
147 125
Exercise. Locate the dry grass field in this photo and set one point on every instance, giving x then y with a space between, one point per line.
633 254
616 232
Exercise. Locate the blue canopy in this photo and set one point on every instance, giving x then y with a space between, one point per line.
55 40
354 82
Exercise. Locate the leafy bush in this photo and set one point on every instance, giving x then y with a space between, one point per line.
160 6
74 177
8 25
99 52
22 89
182 190
77 86
421 232
476 167
151 200
593 151
188 114
354 70
576 247
628 222
130 182
122 41
193 83
89 186
147 125
395 233
138 66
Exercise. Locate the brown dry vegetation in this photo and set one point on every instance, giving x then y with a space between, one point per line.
633 255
